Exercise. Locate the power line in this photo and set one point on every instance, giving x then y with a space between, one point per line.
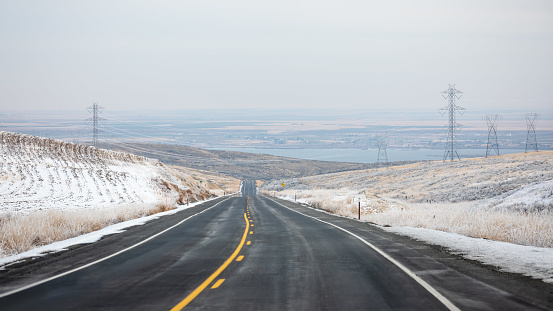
164 126
452 94
130 132
180 156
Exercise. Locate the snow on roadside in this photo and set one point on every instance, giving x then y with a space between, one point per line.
535 262
89 237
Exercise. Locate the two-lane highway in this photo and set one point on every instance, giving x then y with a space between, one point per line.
252 252
154 275
296 263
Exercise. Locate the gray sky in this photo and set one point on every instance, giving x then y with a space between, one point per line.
278 54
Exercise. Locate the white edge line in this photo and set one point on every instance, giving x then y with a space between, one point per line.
410 273
17 290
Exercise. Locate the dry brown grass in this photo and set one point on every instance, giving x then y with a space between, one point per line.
533 229
490 198
20 233
212 183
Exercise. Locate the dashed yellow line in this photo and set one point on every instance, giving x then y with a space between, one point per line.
249 242
215 274
218 283
240 258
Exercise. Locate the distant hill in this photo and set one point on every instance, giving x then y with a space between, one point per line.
241 165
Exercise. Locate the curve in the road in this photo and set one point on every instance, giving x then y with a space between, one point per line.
423 283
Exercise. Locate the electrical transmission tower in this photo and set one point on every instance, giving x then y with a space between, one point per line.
452 94
531 141
492 120
95 109
75 136
382 154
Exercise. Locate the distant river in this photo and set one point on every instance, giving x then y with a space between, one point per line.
367 155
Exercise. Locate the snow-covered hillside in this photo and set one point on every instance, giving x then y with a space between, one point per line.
471 207
52 190
43 174
505 198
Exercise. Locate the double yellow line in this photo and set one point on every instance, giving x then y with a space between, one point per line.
215 274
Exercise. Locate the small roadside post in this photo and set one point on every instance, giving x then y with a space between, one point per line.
359 217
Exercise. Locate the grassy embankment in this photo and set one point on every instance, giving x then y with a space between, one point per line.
505 198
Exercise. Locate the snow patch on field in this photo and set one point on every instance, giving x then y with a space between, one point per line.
533 198
51 190
42 174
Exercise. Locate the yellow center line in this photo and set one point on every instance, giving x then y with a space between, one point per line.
249 242
215 274
240 258
218 283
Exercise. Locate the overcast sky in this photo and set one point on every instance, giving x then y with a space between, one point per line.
394 55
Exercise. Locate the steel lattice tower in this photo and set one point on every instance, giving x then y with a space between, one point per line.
531 141
452 94
95 109
382 154
492 120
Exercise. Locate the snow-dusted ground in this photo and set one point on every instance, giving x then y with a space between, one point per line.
42 174
52 190
472 206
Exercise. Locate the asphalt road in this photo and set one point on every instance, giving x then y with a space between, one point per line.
257 253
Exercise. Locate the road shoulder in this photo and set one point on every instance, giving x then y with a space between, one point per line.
426 259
